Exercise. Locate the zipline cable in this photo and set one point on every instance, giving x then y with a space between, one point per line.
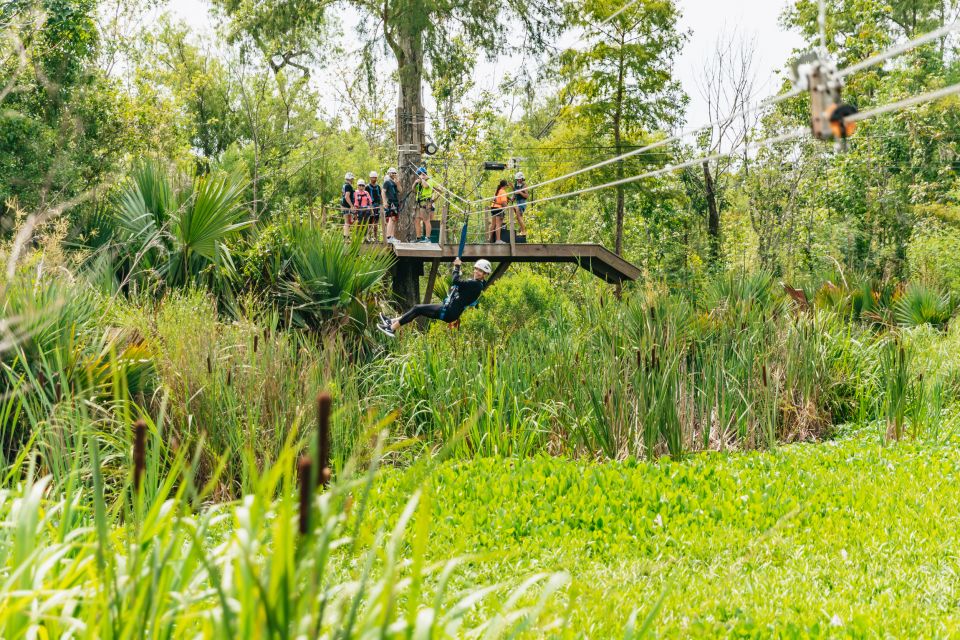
790 135
929 96
896 50
769 102
793 134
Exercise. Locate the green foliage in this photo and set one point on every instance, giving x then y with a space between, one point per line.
59 132
315 278
694 533
177 230
522 301
58 355
934 251
152 556
920 304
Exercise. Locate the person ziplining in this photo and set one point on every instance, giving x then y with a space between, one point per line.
463 293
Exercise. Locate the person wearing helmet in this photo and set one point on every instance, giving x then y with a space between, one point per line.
424 195
392 210
362 203
520 196
346 203
376 205
463 293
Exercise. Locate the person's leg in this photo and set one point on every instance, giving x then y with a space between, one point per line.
347 221
431 311
497 225
418 221
521 209
391 225
428 227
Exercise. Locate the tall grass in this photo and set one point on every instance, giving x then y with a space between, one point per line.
108 553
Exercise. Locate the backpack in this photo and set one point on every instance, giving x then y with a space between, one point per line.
361 199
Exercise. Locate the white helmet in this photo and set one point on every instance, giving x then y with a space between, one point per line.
519 176
483 265
349 176
373 174
361 183
391 171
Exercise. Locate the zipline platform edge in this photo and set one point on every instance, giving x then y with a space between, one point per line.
595 258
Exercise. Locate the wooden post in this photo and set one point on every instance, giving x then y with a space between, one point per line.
443 221
431 281
446 206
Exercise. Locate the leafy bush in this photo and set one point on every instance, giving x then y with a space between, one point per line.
920 304
519 301
934 254
315 278
172 230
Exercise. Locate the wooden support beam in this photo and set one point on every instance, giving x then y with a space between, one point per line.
499 271
431 281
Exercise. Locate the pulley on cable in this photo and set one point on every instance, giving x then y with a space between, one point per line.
815 73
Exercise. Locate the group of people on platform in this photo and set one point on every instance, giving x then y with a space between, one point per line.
367 202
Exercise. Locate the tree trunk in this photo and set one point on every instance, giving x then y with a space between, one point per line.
713 215
407 45
618 143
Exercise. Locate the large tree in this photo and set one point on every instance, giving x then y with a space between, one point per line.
419 34
622 83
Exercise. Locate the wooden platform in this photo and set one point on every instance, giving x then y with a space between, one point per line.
595 258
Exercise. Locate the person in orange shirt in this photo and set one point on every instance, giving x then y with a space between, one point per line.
500 203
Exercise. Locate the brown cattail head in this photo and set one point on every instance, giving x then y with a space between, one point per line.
139 452
209 365
229 376
654 359
256 342
303 470
763 370
324 405
639 359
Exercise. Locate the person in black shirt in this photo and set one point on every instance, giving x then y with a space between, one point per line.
463 293
392 211
376 197
347 207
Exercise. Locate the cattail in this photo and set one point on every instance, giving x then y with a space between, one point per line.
303 469
324 403
639 359
209 365
139 452
256 342
654 360
229 376
763 371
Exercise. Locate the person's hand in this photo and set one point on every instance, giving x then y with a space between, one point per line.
457 262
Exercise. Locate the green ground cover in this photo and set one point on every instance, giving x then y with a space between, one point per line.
838 539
